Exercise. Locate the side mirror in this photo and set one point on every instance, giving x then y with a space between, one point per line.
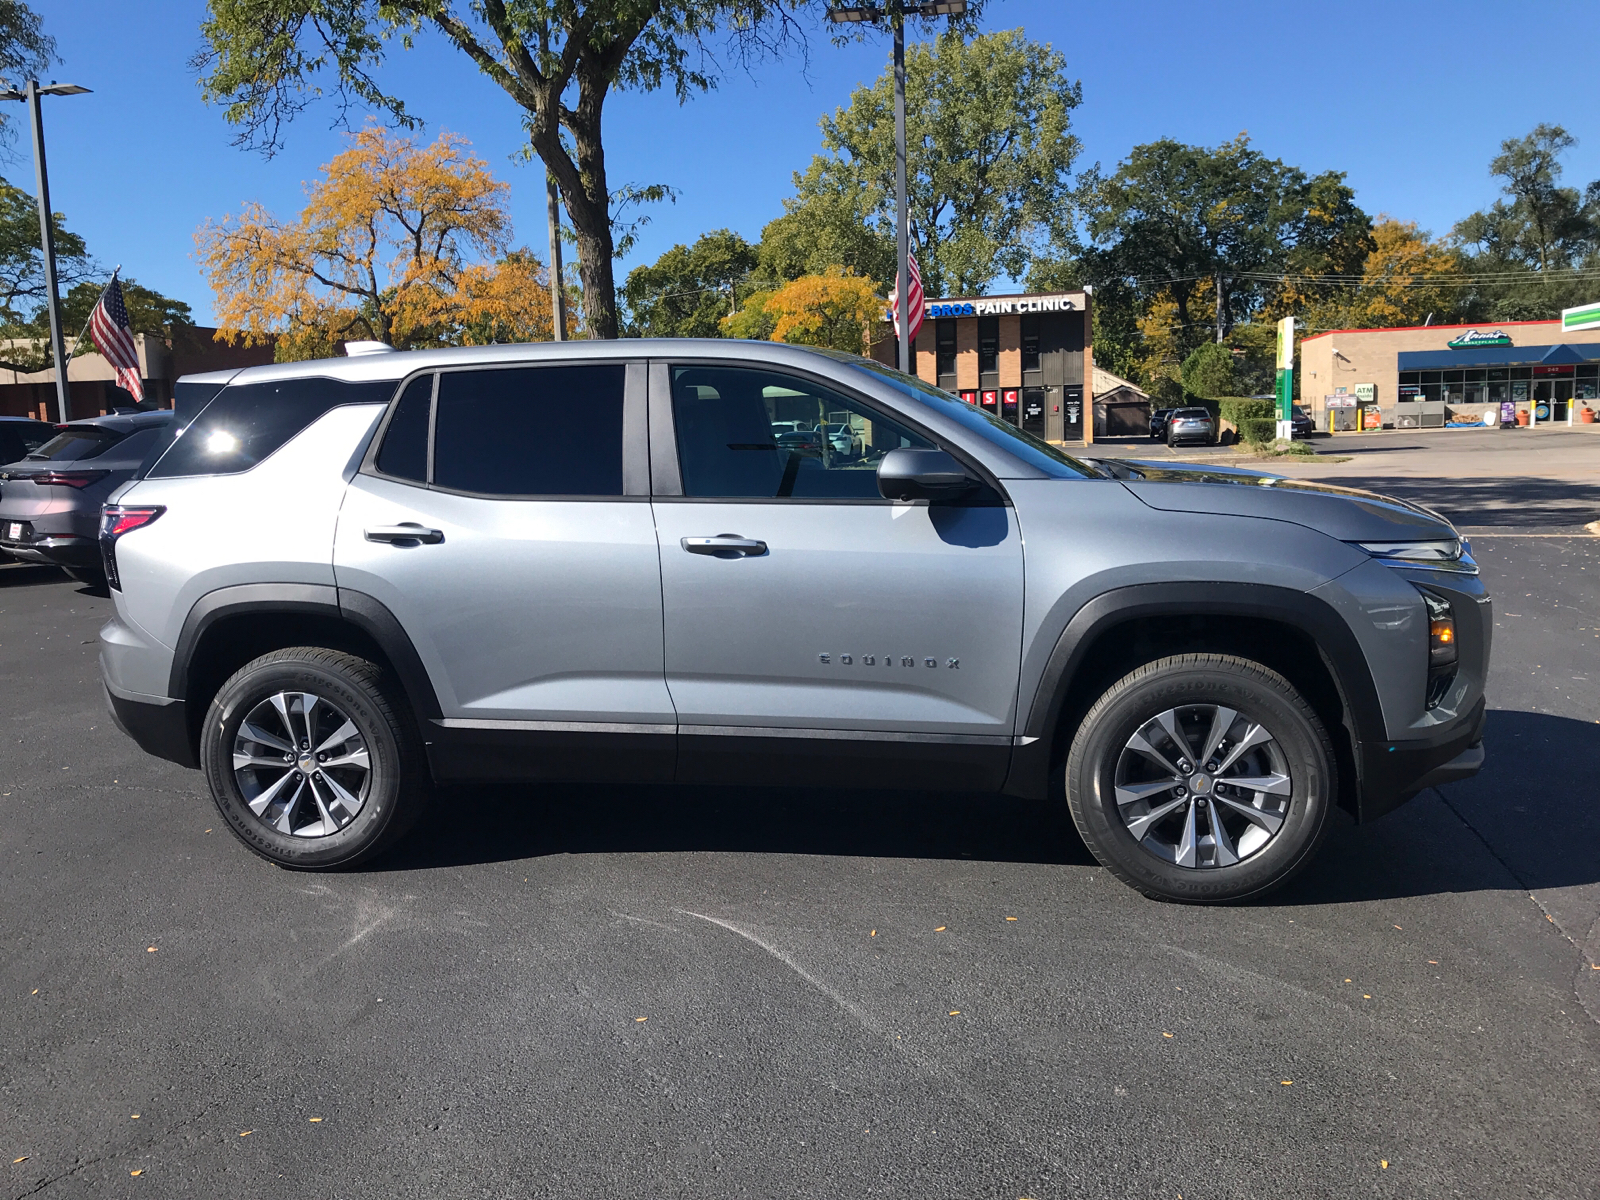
922 475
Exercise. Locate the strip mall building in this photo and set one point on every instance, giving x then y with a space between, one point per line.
1028 358
1428 375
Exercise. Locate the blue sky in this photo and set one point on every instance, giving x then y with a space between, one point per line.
1410 98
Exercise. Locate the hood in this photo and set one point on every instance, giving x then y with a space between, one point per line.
1349 514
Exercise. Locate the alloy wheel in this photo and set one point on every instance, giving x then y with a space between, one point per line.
1203 786
301 764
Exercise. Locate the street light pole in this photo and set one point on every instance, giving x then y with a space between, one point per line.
47 238
558 290
902 226
895 12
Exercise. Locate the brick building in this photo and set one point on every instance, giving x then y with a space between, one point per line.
1026 358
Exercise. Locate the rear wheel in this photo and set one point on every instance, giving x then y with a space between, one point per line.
1201 778
311 758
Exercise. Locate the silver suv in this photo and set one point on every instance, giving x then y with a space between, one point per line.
347 581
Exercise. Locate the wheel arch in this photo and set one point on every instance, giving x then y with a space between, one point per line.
228 627
1294 633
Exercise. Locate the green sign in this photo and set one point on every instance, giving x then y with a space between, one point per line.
1585 316
1476 337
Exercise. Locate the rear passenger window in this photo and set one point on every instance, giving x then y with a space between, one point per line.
404 453
247 422
530 431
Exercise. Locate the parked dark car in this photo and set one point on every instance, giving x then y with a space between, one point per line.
50 499
1304 426
1158 423
1190 425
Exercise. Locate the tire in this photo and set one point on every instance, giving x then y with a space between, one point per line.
1116 797
313 815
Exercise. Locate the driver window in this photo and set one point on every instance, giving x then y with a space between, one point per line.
749 433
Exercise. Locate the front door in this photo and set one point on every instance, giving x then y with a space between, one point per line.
814 629
531 588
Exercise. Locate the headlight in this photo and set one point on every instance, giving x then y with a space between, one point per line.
1450 554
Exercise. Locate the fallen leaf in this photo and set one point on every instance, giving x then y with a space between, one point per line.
313 1120
1166 1035
1011 918
208 831
35 991
941 929
15 1161
1397 927
133 1117
139 1172
1433 962
1287 1082
956 1013
1365 996
1384 1163
247 1133
874 933
636 1020
1347 981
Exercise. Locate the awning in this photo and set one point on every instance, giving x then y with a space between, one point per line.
1498 356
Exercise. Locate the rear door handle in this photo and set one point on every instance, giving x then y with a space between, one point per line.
406 531
729 545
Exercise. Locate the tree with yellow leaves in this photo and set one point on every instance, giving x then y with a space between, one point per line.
1406 276
837 309
398 243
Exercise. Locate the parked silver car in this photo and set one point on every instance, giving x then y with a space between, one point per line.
1187 426
334 590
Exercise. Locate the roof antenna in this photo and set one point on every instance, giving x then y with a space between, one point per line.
1429 321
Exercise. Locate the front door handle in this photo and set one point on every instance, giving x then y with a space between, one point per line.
725 545
406 531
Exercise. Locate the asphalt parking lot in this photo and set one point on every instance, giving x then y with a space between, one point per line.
668 992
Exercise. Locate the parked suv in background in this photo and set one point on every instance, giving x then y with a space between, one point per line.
1190 425
349 580
50 501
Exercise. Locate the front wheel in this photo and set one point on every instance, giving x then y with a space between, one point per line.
312 759
1202 778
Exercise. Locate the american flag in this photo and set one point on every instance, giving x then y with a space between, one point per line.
917 305
109 328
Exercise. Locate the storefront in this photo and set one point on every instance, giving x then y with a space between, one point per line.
1437 375
1027 359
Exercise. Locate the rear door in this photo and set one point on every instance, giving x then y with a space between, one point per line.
814 630
504 519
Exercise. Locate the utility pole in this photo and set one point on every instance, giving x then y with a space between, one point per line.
47 232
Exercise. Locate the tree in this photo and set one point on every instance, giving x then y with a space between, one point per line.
558 60
1539 225
690 289
1173 216
1208 372
836 309
22 259
1406 278
827 229
989 154
402 244
25 52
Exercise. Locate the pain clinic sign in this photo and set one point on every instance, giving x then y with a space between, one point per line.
992 308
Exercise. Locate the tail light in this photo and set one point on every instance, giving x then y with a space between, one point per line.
116 520
72 479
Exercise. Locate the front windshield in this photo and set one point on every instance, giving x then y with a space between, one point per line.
1034 451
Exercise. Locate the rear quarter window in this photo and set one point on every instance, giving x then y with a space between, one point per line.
248 422
76 443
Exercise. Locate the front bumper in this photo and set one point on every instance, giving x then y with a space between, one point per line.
1393 772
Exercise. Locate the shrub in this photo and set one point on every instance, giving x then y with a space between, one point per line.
1258 431
1242 408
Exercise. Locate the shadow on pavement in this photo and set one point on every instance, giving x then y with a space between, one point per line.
1539 824
21 574
1530 820
1512 501
500 823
